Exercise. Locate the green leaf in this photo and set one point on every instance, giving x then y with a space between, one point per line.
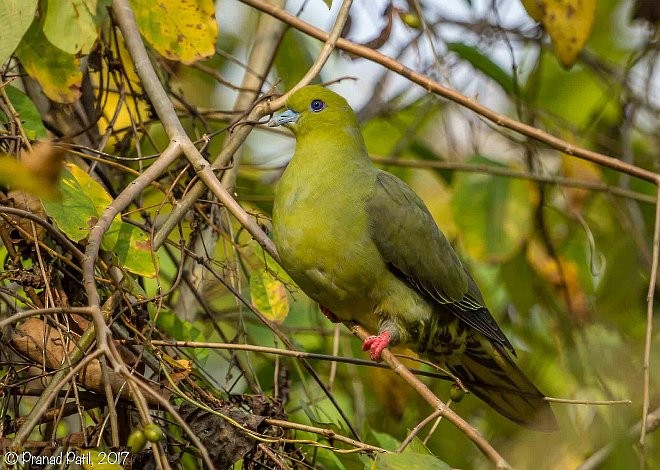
329 3
57 72
277 270
70 25
83 201
328 459
386 441
483 63
30 118
408 461
494 214
316 420
181 31
82 198
524 287
416 446
171 324
269 296
17 16
132 246
578 95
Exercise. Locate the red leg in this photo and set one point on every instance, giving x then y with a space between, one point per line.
329 314
376 344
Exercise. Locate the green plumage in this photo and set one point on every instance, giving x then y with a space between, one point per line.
361 243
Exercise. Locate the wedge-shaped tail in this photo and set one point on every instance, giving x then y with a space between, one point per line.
488 371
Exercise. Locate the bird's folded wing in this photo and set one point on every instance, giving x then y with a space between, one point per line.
417 251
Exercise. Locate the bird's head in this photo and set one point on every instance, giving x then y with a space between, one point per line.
315 108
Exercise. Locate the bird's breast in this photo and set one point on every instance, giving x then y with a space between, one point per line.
323 241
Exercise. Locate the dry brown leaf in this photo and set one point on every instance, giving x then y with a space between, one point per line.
44 345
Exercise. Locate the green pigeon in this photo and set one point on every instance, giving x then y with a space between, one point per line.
361 243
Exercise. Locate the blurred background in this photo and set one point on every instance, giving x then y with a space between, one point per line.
561 248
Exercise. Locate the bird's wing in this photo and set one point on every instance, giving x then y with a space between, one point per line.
417 251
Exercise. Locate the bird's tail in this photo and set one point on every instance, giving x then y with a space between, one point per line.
488 371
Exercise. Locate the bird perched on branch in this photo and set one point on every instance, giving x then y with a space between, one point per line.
362 244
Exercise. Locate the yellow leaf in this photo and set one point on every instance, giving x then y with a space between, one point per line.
568 22
269 296
57 72
125 116
182 31
37 172
584 171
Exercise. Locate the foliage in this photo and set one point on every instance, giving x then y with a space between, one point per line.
562 248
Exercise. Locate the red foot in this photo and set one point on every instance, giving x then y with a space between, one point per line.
376 344
329 314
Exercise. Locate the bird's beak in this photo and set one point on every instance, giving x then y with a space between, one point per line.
287 117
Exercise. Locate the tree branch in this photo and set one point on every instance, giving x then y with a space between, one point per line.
403 372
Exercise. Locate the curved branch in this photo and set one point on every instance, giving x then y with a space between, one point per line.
43 311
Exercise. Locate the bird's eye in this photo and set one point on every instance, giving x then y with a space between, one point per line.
317 105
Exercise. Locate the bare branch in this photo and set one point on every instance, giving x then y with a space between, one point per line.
403 372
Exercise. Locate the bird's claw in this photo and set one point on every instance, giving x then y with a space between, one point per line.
329 314
376 344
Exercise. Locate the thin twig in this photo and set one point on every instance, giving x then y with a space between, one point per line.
417 429
588 402
43 311
266 42
508 172
335 352
180 421
287 352
51 228
597 459
649 319
327 433
50 393
467 429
